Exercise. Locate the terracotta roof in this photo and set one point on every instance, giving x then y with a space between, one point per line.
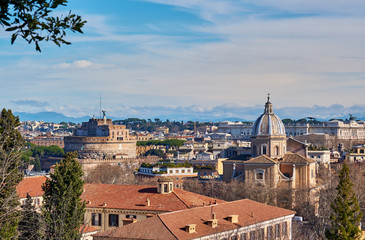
295 158
262 159
88 229
172 225
135 196
32 186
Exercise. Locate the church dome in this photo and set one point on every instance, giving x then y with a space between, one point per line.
268 123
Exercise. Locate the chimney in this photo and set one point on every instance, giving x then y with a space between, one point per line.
88 202
148 202
214 216
190 228
233 218
251 213
104 204
213 223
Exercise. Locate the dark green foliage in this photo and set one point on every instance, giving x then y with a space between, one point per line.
167 142
346 216
37 164
150 126
33 21
166 164
11 143
63 209
29 225
40 151
155 152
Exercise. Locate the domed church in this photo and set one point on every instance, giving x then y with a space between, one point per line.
268 134
276 161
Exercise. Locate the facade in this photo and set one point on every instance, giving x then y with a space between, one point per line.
242 219
109 206
99 138
357 154
177 172
321 156
48 141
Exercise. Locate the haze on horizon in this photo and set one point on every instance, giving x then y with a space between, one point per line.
159 56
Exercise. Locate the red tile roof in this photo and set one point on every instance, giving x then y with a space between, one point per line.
32 186
262 159
172 225
295 158
135 196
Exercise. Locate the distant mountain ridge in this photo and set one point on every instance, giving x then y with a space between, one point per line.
213 114
49 117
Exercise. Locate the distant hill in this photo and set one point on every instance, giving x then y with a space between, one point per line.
49 117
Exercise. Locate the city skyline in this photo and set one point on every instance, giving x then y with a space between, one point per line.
162 57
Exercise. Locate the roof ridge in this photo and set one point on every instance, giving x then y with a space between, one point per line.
180 199
166 226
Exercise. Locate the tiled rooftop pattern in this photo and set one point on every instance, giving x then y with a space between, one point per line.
32 186
172 225
133 197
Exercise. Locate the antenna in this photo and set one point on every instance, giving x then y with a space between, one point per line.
100 106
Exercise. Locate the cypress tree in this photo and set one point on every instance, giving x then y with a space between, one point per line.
29 224
346 216
63 209
11 143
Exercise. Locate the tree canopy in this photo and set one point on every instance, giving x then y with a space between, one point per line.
63 209
11 143
346 214
33 20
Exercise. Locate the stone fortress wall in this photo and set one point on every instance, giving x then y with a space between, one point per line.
99 138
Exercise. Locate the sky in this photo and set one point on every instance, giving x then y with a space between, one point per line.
177 59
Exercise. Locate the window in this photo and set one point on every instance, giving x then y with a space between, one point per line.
276 150
113 220
259 174
96 219
253 235
285 229
234 237
263 149
243 236
261 234
269 233
170 171
277 231
165 188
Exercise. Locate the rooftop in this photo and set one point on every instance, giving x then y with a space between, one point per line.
32 186
135 196
172 225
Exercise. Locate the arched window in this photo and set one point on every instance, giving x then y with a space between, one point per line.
277 150
263 149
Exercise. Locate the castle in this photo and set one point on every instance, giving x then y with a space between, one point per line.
100 138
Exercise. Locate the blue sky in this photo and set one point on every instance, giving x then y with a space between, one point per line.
164 57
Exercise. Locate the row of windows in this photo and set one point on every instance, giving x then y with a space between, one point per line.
272 232
178 171
113 221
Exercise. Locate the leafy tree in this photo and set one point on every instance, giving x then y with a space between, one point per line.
30 222
155 152
346 216
11 143
33 21
63 209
